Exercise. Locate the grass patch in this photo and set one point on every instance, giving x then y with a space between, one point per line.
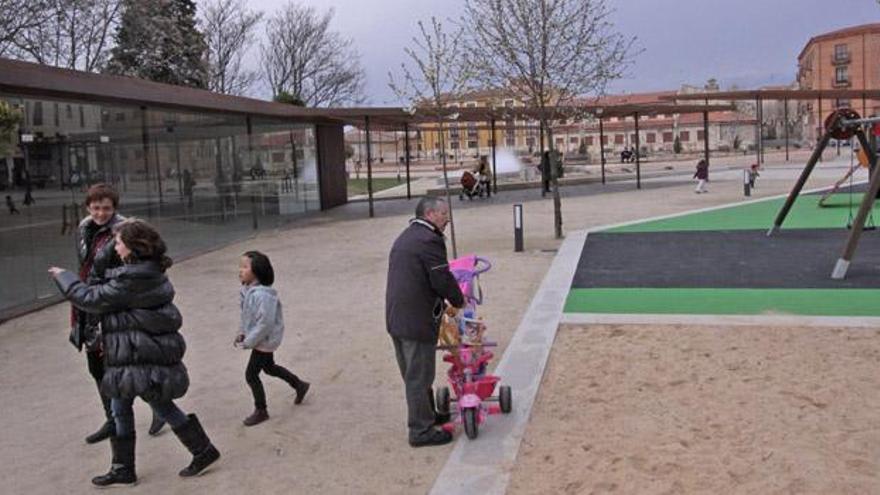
357 187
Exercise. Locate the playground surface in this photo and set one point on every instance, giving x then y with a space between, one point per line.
729 398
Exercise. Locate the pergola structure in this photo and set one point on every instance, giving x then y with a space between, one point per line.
785 95
401 118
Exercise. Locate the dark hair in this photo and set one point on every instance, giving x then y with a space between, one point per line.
261 267
100 192
144 241
426 204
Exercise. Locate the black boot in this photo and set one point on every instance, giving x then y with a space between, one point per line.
193 437
156 425
122 468
107 429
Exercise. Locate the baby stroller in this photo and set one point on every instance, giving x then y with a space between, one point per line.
472 185
470 387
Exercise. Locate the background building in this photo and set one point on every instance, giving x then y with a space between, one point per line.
844 59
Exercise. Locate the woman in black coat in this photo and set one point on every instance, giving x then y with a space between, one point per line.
143 349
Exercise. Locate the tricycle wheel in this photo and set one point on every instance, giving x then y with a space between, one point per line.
505 399
470 422
443 400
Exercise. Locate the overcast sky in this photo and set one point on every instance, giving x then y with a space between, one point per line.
744 42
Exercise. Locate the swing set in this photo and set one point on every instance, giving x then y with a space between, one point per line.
842 124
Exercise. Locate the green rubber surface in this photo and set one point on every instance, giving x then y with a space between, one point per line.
805 214
813 302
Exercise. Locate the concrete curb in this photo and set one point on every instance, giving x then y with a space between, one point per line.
718 320
483 466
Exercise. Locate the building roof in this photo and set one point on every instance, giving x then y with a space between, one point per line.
842 33
779 94
31 79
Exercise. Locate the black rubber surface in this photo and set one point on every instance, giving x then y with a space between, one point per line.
797 258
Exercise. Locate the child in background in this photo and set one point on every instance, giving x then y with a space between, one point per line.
262 328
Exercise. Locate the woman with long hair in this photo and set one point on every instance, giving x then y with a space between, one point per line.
143 349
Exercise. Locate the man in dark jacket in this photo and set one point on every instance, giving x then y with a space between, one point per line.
96 254
419 284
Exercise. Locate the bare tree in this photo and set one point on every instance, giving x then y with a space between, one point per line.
75 34
435 73
305 59
229 31
547 52
17 16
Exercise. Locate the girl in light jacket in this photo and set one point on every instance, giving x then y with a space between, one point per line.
261 330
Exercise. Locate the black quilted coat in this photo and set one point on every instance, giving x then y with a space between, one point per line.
143 349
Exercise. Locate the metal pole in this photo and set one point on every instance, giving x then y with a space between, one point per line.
369 166
759 129
819 120
494 168
842 265
706 137
602 148
145 143
406 152
811 163
544 173
785 125
638 160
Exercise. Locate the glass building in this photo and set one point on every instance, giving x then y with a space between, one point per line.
206 169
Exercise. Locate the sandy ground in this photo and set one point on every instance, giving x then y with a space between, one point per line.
349 436
680 409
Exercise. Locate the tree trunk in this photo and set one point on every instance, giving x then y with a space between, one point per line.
554 183
446 185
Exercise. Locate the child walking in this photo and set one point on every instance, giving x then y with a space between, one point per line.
262 328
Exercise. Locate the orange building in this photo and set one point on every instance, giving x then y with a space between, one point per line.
844 59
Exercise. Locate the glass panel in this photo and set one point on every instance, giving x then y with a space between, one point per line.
203 179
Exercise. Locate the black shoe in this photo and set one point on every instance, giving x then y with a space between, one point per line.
194 438
118 475
301 392
156 425
256 417
107 430
122 467
433 437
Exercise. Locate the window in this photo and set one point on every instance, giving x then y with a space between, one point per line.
632 138
604 139
120 116
573 140
841 75
278 157
685 136
701 136
453 132
472 130
453 145
69 111
82 116
38 113
618 139
589 140
667 137
510 142
840 52
560 141
651 137
530 141
472 144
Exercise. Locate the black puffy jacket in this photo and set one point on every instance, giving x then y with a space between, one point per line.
418 282
143 350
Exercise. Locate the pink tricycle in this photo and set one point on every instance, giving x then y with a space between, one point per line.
472 388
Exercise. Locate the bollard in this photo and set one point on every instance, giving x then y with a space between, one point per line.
746 189
517 228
